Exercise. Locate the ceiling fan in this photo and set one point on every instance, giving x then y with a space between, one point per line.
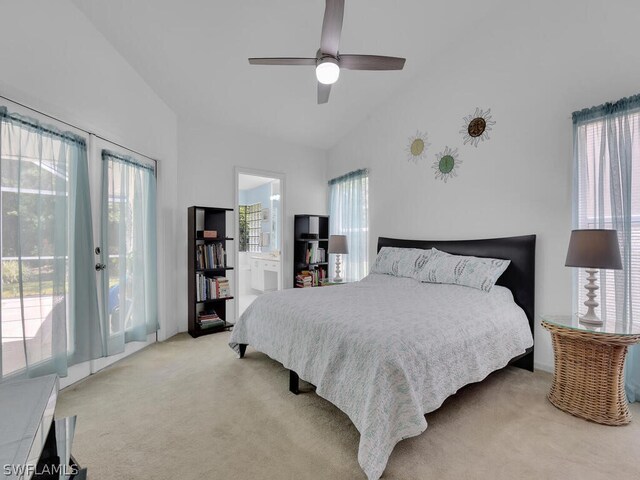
328 61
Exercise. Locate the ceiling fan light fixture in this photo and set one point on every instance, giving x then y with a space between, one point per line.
328 60
327 71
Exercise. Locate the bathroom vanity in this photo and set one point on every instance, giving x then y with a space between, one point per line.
265 272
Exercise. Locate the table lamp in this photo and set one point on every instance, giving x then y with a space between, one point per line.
338 246
593 250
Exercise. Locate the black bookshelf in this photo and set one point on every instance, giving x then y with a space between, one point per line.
202 219
310 231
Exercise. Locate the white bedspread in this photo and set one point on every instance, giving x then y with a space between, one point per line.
386 350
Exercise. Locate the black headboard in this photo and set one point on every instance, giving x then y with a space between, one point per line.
520 274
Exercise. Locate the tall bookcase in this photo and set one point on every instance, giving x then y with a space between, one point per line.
310 232
207 258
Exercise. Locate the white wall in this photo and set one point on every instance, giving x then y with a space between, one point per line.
54 60
533 66
208 155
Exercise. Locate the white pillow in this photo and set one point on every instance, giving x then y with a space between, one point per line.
401 262
475 272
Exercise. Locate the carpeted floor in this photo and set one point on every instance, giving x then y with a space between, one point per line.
190 409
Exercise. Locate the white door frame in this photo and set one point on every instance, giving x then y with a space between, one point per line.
236 224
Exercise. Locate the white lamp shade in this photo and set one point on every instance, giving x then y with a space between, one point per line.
328 71
338 244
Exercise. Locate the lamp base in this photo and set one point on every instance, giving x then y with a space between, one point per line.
337 278
590 317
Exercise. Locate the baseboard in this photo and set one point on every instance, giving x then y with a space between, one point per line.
545 367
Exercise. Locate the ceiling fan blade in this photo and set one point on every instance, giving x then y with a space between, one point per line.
323 93
332 27
371 62
282 61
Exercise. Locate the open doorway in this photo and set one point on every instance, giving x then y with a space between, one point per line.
259 201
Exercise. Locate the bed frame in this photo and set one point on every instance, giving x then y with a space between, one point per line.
519 277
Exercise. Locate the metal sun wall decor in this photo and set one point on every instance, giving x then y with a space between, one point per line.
446 164
417 148
477 126
476 129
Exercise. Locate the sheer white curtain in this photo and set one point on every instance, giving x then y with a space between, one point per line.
49 299
607 195
129 242
349 215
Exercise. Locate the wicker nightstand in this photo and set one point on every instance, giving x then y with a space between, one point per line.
589 368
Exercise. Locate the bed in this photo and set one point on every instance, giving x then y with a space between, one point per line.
387 350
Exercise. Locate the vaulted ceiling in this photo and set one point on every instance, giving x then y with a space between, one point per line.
193 54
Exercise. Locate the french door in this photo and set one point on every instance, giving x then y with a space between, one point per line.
46 320
120 180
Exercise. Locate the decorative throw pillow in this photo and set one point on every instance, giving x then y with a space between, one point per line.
475 272
401 262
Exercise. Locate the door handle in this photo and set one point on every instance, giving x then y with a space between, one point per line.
100 266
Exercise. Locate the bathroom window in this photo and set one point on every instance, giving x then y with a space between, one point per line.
250 227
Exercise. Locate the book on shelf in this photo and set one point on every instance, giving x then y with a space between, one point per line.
211 288
210 319
304 280
311 278
212 255
315 254
223 288
213 323
203 316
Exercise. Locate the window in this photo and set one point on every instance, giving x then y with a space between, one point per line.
606 195
607 164
250 227
52 271
47 256
349 215
129 243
